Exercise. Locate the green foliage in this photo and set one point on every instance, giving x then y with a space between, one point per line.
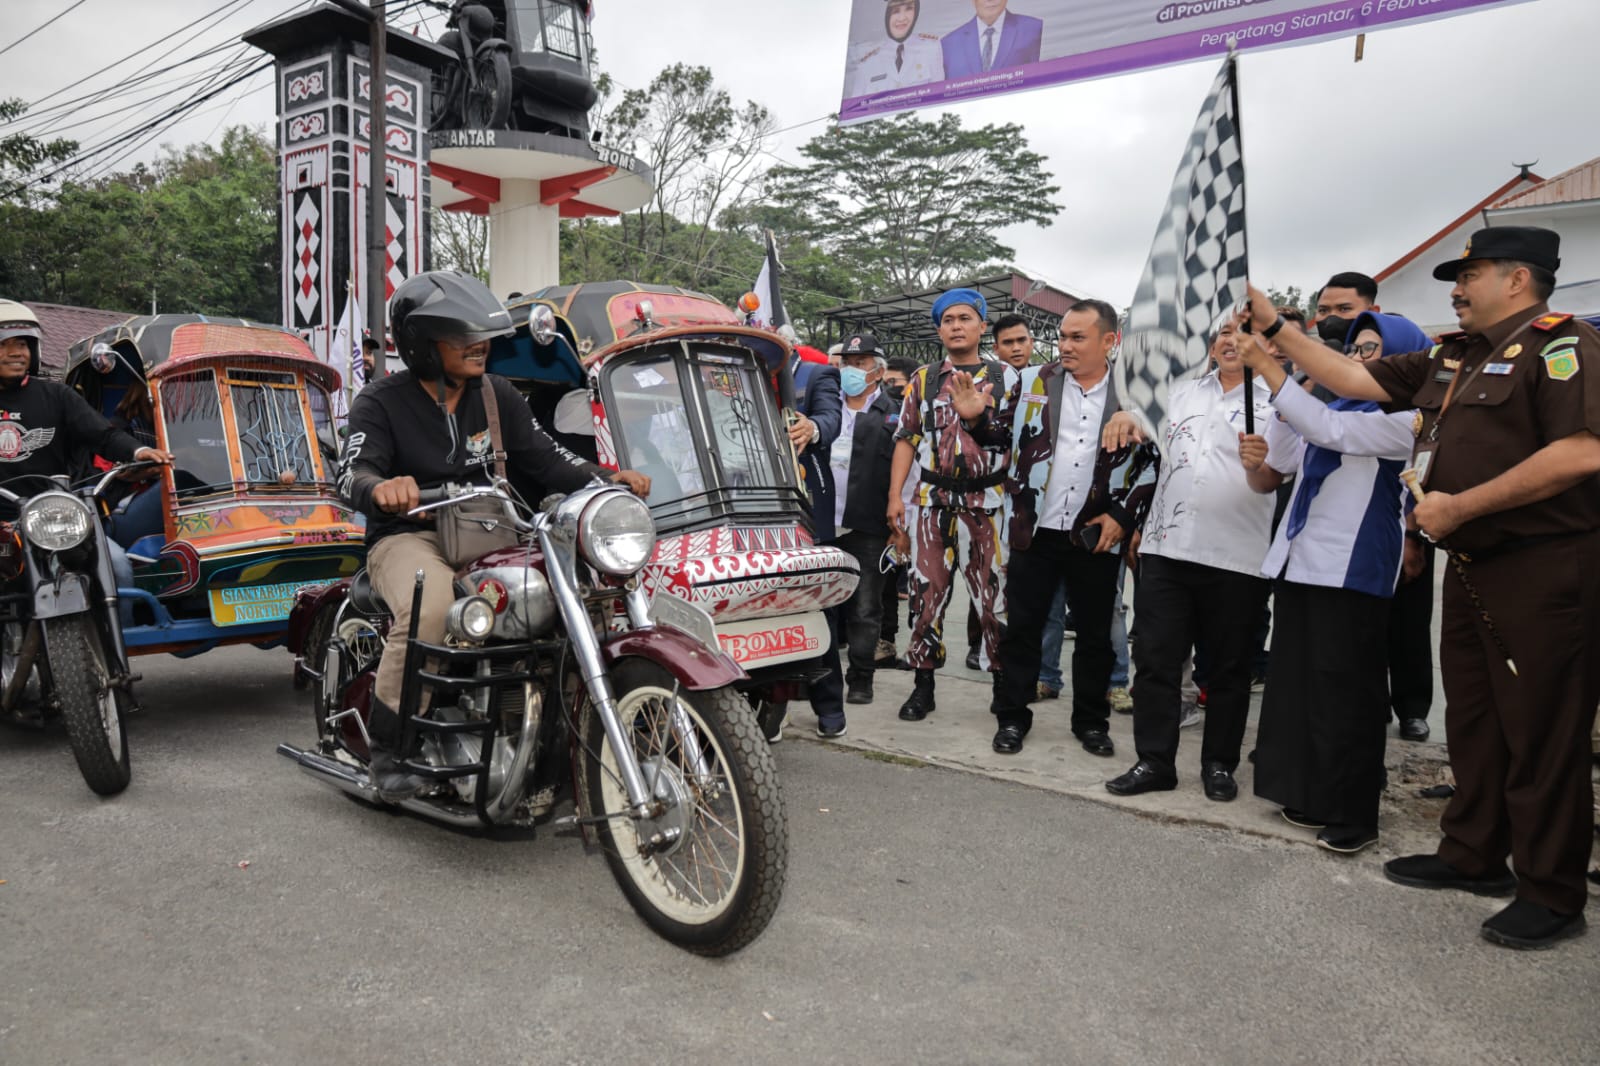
197 232
21 154
915 202
1291 297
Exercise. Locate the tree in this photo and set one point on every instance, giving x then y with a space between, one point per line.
918 203
22 154
706 157
1290 297
460 242
197 231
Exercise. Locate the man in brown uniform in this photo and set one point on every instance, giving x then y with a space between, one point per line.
1508 412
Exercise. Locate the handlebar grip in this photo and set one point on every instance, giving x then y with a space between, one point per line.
432 496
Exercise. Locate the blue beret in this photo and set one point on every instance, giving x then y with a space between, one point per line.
972 297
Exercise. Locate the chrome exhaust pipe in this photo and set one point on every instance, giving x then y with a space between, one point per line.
355 781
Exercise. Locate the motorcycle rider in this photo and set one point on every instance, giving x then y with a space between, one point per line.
44 423
419 429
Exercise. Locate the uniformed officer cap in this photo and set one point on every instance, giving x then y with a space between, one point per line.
1524 244
861 344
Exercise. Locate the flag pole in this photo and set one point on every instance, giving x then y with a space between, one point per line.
1238 135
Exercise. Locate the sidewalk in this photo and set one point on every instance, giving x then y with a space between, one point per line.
958 735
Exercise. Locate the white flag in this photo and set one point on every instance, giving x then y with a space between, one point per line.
1196 273
344 355
770 315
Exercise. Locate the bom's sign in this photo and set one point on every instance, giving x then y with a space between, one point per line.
766 642
905 54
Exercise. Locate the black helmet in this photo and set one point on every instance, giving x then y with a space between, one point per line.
17 320
442 304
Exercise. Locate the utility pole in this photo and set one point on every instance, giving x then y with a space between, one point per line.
377 172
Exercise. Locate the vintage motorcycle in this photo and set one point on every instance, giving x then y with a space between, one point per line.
560 675
58 614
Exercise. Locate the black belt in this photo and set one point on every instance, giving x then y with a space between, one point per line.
964 484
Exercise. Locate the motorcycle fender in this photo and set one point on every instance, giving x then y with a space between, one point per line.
69 595
695 666
495 44
307 604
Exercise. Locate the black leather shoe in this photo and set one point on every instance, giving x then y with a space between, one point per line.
1218 782
1097 742
1347 839
1302 819
919 704
384 769
858 687
1414 729
1530 927
1008 740
1430 871
1142 778
972 659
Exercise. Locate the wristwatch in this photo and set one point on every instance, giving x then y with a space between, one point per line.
1272 330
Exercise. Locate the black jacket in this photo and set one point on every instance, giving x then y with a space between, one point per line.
871 455
46 427
397 429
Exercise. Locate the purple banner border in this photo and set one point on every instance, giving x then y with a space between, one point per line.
1178 48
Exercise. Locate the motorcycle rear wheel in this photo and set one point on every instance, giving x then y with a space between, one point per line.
90 706
717 889
487 105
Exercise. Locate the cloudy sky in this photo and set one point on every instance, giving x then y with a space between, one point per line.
1349 165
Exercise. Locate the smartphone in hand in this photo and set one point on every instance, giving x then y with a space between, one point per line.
1089 537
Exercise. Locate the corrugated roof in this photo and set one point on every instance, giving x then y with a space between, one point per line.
63 326
1580 183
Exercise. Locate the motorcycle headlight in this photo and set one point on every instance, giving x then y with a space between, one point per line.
55 521
616 534
470 620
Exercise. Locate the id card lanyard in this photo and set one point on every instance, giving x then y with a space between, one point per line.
1422 459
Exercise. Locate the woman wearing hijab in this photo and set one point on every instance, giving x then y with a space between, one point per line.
1335 561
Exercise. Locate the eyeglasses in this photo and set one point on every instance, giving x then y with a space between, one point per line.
1364 351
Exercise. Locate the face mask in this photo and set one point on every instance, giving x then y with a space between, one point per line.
896 393
1334 329
853 380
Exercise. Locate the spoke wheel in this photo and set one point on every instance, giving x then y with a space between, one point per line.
90 706
707 870
488 104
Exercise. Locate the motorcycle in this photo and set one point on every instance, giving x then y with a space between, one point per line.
560 677
58 614
476 91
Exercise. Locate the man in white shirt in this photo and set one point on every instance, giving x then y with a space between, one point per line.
1199 553
1072 506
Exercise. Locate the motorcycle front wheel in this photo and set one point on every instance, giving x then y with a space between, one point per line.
90 706
712 880
488 104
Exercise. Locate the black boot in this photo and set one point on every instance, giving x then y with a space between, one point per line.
920 703
858 686
393 783
997 693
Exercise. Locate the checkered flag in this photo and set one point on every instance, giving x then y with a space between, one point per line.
1196 272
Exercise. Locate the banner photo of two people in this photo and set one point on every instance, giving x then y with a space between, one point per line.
906 54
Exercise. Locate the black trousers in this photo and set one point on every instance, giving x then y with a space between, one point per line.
1174 603
1032 577
1325 711
889 619
1410 644
853 623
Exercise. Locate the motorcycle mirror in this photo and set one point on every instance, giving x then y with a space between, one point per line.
574 415
542 323
103 358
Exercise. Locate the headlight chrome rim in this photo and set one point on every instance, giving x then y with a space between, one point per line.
616 534
56 521
470 620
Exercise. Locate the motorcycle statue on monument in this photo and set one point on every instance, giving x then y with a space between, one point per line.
560 675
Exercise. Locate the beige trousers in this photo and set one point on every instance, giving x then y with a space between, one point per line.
393 566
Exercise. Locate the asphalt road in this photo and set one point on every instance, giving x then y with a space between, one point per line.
930 916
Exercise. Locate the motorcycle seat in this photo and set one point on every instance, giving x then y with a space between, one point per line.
364 597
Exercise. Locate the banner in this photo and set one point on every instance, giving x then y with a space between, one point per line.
907 54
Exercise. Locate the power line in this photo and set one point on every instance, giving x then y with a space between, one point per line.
41 26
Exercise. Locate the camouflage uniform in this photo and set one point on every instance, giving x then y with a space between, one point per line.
960 496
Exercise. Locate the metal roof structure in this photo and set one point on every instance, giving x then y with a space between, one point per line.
903 324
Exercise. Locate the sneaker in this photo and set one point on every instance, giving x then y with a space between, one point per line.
829 731
1191 716
1530 927
1042 691
884 654
773 718
1121 700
